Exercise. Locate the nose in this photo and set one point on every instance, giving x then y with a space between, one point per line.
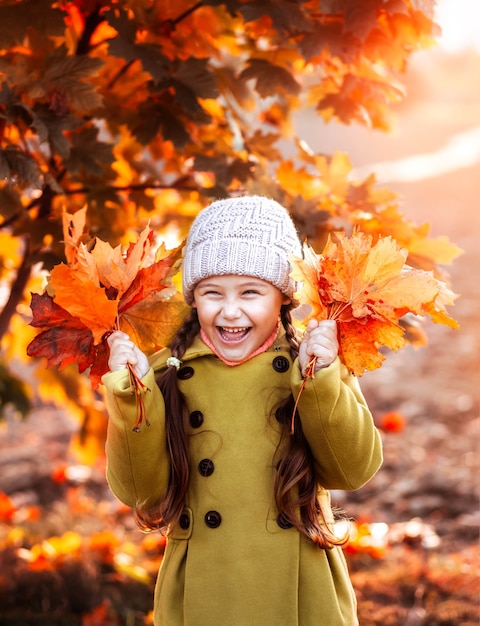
231 309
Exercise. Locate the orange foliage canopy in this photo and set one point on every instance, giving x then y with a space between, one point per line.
101 289
367 288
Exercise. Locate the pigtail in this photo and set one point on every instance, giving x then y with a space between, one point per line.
295 486
290 332
170 508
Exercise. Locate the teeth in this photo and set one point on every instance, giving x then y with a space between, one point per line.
234 330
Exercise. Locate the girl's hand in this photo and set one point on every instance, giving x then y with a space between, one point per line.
124 352
320 341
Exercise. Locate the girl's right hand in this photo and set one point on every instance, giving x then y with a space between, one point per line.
124 352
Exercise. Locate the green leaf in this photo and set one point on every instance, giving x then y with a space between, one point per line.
270 80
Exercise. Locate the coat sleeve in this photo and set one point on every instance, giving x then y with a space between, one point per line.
339 427
137 462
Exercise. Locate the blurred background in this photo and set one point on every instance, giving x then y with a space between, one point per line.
415 559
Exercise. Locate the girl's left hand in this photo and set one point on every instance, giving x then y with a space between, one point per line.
320 341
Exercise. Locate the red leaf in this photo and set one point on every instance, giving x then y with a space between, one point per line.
64 345
47 313
66 340
100 365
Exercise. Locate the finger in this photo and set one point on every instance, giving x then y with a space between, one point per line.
116 336
312 324
328 323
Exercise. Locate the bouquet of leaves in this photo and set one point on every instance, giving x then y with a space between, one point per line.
101 289
367 288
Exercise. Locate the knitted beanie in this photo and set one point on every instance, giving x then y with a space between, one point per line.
248 236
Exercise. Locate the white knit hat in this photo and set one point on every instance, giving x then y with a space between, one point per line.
248 236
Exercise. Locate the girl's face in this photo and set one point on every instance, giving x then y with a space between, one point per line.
237 313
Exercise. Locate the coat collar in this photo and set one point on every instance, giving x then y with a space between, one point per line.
199 349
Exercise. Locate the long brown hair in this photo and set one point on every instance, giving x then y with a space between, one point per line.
295 486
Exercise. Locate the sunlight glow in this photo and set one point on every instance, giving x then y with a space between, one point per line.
462 150
460 24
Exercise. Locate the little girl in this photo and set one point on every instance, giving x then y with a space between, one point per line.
244 502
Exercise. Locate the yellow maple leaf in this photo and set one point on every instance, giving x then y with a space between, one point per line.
367 288
117 268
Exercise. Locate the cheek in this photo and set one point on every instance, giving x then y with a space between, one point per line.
205 313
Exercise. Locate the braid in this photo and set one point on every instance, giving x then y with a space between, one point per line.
167 512
185 335
295 487
290 333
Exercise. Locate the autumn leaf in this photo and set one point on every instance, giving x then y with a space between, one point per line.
367 289
118 269
102 289
73 227
151 323
7 508
64 340
150 280
86 301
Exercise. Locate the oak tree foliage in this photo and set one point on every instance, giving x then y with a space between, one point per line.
144 111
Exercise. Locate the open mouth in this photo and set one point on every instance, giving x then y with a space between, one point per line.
233 335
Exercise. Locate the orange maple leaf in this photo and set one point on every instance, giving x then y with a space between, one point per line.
99 290
83 299
367 288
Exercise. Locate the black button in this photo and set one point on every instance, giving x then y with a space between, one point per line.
213 519
196 419
184 373
206 467
280 364
184 521
283 523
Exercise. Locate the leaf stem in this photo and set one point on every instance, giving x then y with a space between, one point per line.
138 388
309 373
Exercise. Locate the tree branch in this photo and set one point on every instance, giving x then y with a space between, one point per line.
16 293
143 187
186 13
91 22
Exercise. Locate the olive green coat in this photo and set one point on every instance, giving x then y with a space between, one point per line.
229 563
